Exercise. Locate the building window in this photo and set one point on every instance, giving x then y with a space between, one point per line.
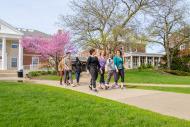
14 62
14 45
150 60
35 60
0 45
182 47
135 62
143 60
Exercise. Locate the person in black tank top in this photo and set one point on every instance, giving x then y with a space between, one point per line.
93 66
78 69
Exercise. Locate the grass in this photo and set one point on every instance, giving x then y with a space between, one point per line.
155 77
28 105
165 89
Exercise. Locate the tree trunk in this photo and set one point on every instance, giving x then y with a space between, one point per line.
168 59
57 64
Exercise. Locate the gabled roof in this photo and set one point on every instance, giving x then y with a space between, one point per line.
10 26
33 33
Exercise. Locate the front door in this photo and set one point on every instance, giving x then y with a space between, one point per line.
0 62
14 63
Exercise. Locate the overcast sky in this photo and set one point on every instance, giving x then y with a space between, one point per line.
33 14
36 14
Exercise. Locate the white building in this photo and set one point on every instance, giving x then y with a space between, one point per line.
12 55
11 51
134 59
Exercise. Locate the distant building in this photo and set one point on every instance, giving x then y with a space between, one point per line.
134 56
136 59
178 37
12 54
31 60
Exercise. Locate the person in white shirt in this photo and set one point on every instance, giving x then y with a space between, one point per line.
111 71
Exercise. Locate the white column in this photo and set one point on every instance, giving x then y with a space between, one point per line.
146 61
20 56
153 62
131 60
4 54
159 60
139 61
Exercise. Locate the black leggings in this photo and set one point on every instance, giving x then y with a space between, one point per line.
102 80
94 76
121 73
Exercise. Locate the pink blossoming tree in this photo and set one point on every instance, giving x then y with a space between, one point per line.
52 47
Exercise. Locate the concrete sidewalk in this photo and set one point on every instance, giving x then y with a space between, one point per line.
172 104
85 79
160 85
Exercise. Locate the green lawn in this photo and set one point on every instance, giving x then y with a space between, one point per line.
152 76
166 89
27 105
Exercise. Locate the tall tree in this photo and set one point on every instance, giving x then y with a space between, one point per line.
168 18
92 21
49 48
101 23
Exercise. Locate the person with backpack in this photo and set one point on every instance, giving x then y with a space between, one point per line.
93 66
61 70
78 69
111 69
118 61
68 69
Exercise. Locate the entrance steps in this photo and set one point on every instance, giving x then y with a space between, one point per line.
8 73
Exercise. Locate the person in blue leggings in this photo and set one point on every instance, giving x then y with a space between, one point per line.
118 61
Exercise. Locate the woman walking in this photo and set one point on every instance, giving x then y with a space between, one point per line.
93 66
118 61
78 70
102 62
111 71
61 70
68 69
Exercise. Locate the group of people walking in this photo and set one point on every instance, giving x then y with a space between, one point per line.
65 69
114 66
96 65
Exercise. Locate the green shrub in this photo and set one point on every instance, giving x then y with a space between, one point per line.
181 64
38 73
143 67
54 72
49 72
178 73
34 73
44 72
149 66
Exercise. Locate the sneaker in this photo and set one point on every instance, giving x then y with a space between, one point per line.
90 87
100 86
122 85
95 90
73 85
115 86
106 86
